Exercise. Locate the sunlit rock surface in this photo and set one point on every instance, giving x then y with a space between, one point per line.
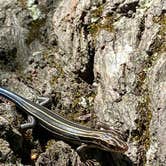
102 58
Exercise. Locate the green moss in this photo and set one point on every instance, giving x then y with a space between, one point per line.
144 111
34 30
76 91
143 123
95 28
59 74
145 115
100 22
96 13
161 42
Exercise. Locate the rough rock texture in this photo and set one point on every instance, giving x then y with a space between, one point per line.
67 49
127 40
12 29
10 138
59 153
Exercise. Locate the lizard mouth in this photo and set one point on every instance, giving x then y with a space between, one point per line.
113 143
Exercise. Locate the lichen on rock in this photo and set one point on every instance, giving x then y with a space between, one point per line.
97 60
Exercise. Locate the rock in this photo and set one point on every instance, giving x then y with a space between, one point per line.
117 47
7 4
8 132
4 126
58 153
157 82
126 44
11 46
4 150
69 43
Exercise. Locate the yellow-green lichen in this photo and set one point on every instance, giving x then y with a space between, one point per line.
59 72
35 12
145 4
161 46
34 9
76 92
144 111
96 13
143 124
107 24
100 22
34 30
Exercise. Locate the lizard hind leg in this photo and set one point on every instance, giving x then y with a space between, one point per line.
30 124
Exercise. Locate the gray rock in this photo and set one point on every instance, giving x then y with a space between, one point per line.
157 83
70 29
59 153
12 34
4 150
7 131
7 4
118 46
122 61
12 142
4 126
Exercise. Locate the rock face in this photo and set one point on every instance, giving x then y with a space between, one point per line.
105 57
60 154
128 39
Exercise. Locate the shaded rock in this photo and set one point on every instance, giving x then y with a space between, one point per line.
70 21
7 131
12 46
4 150
59 153
11 135
9 144
4 126
117 46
